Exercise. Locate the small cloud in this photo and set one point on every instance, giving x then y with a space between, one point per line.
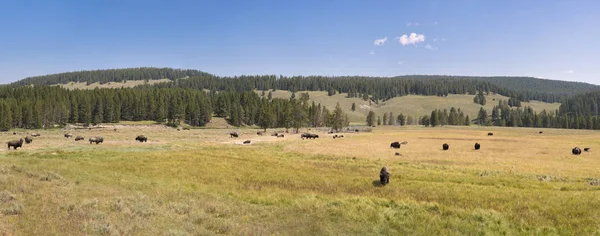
569 71
371 53
413 38
379 42
435 23
429 47
400 62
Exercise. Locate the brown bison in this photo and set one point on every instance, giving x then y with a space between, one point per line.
28 140
78 138
259 133
234 135
280 135
96 140
338 136
395 145
247 142
576 151
141 138
445 146
490 134
186 128
68 135
586 149
35 134
540 132
477 146
384 176
309 136
15 144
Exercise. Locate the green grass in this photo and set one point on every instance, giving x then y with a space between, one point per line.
202 182
409 105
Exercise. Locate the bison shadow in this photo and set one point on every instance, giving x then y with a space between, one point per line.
377 183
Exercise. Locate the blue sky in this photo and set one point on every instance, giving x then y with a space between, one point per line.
546 39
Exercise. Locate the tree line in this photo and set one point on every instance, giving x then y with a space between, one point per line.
47 106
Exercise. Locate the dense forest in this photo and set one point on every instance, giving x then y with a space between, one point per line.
44 106
112 75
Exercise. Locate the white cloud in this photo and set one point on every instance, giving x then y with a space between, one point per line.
413 38
435 23
429 47
569 71
371 53
379 42
400 62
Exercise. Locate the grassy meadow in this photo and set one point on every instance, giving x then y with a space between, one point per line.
201 182
414 105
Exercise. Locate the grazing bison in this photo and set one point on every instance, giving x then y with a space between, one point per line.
280 136
356 130
586 149
395 145
275 134
490 134
576 151
28 139
247 142
384 176
96 140
233 135
259 133
330 132
68 135
178 130
445 146
477 146
78 138
186 128
15 144
397 154
14 133
141 138
35 134
338 136
540 132
309 136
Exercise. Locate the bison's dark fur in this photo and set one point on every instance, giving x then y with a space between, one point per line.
14 133
586 149
395 145
356 130
28 139
490 134
576 151
233 135
338 136
477 146
68 135
259 133
397 154
141 138
445 146
309 136
247 142
15 144
96 140
384 176
79 138
540 132
280 136
186 128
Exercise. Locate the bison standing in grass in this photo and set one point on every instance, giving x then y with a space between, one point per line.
15 144
280 135
96 140
35 134
490 134
586 149
78 138
234 135
309 136
395 145
384 176
28 140
445 146
576 151
141 138
68 135
477 146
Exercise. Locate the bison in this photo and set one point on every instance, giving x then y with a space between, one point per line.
309 136
275 134
28 139
338 136
576 151
35 134
233 135
586 149
384 176
398 154
141 138
14 133
247 142
96 140
356 130
540 132
15 144
490 134
395 145
78 138
259 133
68 135
477 146
445 146
280 136
186 128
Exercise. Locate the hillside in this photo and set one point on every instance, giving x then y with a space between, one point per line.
110 75
410 105
122 84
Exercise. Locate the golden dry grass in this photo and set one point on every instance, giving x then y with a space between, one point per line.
200 181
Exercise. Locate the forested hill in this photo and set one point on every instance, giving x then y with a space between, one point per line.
111 75
587 104
523 83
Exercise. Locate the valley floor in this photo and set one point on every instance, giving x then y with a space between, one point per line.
200 181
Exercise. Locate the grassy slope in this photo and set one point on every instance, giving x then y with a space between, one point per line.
202 182
128 84
410 105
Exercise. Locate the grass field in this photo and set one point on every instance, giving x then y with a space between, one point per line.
409 105
201 182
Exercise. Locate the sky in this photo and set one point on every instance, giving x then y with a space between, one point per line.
553 39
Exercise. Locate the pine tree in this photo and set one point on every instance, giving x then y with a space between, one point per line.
467 121
353 108
401 119
385 118
338 118
378 120
371 118
433 119
391 120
